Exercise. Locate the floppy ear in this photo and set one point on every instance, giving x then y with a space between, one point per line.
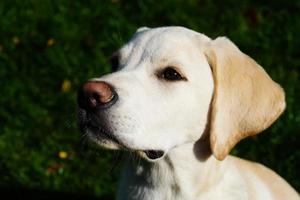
246 100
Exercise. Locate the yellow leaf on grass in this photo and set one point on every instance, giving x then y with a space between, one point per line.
50 42
66 86
16 40
62 154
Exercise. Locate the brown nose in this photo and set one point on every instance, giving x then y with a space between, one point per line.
96 94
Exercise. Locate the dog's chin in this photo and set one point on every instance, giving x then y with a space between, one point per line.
102 137
104 143
108 141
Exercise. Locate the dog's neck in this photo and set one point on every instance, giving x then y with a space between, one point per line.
172 177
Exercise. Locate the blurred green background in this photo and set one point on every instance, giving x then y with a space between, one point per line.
47 48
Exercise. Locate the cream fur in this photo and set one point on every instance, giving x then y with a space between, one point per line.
246 99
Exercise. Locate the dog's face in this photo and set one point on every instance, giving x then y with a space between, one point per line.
159 96
164 86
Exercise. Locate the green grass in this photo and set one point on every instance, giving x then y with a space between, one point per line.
44 45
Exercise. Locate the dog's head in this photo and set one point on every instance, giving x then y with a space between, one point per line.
166 84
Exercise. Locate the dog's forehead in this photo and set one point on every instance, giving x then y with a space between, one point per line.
159 42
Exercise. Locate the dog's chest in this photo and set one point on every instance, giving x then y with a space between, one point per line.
148 181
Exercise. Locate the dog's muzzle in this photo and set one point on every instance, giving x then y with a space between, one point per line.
95 97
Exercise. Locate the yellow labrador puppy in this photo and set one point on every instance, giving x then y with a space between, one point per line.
181 101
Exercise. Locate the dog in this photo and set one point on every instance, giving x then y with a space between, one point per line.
181 101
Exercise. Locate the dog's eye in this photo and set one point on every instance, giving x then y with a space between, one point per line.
171 74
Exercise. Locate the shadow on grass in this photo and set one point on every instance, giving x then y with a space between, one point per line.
36 194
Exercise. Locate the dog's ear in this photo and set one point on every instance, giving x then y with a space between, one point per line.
246 100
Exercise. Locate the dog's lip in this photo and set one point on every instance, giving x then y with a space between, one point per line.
154 154
151 154
103 132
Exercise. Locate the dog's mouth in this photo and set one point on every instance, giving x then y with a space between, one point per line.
150 154
103 135
154 154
